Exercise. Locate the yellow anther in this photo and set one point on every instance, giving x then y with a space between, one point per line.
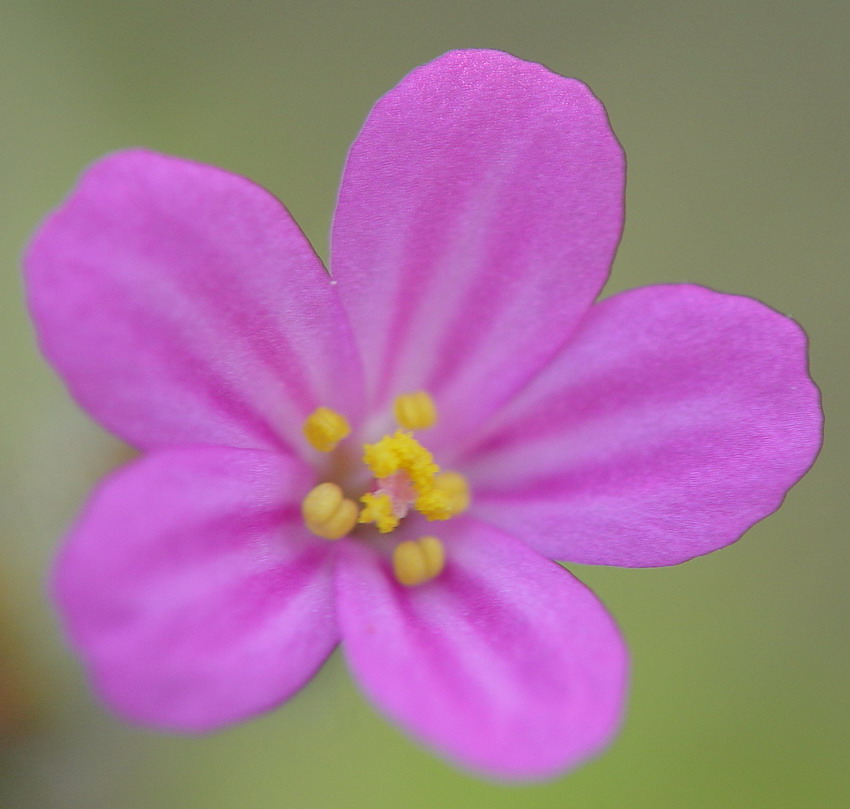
327 513
415 411
325 428
378 508
415 562
456 489
401 451
434 505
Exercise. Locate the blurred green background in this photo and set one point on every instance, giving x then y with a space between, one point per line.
735 120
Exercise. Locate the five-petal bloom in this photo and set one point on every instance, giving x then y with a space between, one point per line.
478 216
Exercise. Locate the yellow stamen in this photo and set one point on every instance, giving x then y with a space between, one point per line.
415 411
434 505
325 428
455 487
401 452
327 513
406 477
378 508
419 561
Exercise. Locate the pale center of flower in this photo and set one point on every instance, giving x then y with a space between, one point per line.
405 479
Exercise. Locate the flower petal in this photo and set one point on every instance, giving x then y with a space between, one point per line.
676 418
192 591
479 212
183 305
505 662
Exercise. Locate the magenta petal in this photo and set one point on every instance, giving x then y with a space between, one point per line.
479 212
676 418
505 663
191 590
183 305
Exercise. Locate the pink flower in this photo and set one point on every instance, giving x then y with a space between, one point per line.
479 213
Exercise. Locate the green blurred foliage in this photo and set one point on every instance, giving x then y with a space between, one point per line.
734 117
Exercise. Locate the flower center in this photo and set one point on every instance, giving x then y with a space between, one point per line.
406 478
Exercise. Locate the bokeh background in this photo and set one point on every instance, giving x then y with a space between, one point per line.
735 120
